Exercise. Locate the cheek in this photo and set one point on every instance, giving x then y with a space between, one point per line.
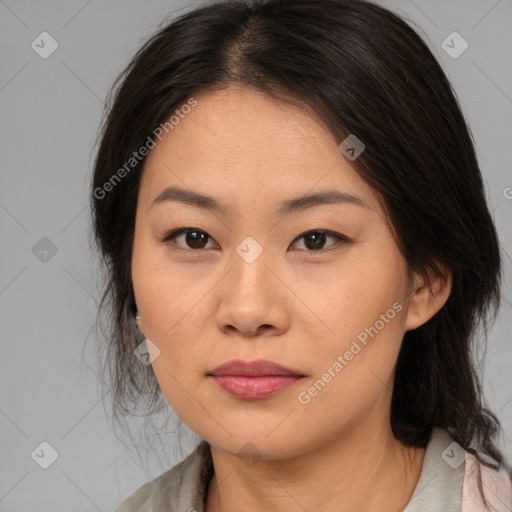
160 291
169 302
355 293
351 375
170 320
364 307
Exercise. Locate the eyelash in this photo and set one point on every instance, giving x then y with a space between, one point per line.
176 232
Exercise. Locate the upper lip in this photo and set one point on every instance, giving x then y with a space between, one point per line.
252 368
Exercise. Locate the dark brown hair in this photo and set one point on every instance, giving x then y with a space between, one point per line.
364 71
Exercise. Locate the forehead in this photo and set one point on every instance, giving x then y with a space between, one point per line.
242 145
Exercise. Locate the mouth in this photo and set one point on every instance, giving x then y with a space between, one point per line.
254 380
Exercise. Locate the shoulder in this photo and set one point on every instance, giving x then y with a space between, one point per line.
496 485
180 488
449 480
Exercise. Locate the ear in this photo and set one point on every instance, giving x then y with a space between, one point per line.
428 296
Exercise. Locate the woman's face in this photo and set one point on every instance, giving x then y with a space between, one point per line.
245 284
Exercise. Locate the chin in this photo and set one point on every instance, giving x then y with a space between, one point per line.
254 445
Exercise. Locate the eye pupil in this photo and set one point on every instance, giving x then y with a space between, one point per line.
318 240
191 239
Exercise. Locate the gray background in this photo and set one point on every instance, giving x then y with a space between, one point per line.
51 109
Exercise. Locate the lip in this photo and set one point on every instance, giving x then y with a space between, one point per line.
260 367
253 380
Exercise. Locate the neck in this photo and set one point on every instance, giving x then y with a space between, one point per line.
361 470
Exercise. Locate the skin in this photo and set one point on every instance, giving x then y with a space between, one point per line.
293 305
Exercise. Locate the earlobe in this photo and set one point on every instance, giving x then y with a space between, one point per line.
428 296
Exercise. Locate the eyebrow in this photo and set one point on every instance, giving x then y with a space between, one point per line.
298 204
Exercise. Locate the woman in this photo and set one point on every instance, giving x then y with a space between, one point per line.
288 202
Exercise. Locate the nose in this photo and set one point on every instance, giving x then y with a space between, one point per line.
253 301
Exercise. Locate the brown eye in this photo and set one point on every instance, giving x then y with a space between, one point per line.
194 239
315 240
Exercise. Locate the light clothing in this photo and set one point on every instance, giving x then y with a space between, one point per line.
447 483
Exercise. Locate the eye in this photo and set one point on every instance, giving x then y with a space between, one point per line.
315 240
194 238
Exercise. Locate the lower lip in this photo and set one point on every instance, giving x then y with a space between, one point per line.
254 388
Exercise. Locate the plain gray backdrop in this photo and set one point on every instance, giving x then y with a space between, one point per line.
51 109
